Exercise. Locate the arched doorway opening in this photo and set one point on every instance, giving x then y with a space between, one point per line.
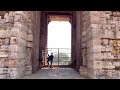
59 40
48 16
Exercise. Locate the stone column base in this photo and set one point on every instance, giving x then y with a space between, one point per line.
83 71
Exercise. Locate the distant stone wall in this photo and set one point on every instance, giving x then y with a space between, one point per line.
15 44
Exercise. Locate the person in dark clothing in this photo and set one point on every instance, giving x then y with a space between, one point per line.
51 57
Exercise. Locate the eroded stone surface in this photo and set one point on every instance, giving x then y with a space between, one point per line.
99 36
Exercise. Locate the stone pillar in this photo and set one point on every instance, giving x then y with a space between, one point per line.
73 46
6 23
85 42
14 43
104 60
78 40
36 41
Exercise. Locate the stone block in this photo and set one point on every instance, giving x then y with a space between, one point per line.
12 14
83 45
17 18
97 56
118 35
17 32
95 49
17 48
97 64
2 63
10 19
13 72
6 15
107 55
116 47
3 76
12 63
96 26
83 71
30 44
84 56
108 65
3 71
104 41
28 73
9 26
106 48
83 33
18 41
25 16
95 20
91 73
22 26
4 48
97 33
4 54
2 21
30 32
0 41
28 67
6 41
116 63
29 38
102 20
4 33
96 41
16 55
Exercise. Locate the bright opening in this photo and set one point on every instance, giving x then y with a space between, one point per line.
59 42
59 34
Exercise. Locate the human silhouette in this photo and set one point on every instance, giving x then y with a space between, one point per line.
51 57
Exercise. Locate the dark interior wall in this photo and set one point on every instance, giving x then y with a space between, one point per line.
73 40
78 40
36 42
43 34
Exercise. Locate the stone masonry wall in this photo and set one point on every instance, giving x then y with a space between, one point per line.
15 44
101 45
105 26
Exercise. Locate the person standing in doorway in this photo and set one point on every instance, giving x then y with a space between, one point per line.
51 57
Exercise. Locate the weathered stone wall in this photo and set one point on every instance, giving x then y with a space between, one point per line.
85 41
16 43
101 51
99 42
105 32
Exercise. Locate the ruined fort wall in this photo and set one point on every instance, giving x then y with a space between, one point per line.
86 44
16 43
102 46
105 27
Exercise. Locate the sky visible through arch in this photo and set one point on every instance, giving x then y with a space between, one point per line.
59 34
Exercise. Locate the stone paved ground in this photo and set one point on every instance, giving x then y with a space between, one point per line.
55 73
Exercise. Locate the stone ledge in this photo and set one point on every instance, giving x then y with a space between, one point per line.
83 71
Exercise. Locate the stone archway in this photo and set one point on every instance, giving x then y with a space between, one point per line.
43 35
95 50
